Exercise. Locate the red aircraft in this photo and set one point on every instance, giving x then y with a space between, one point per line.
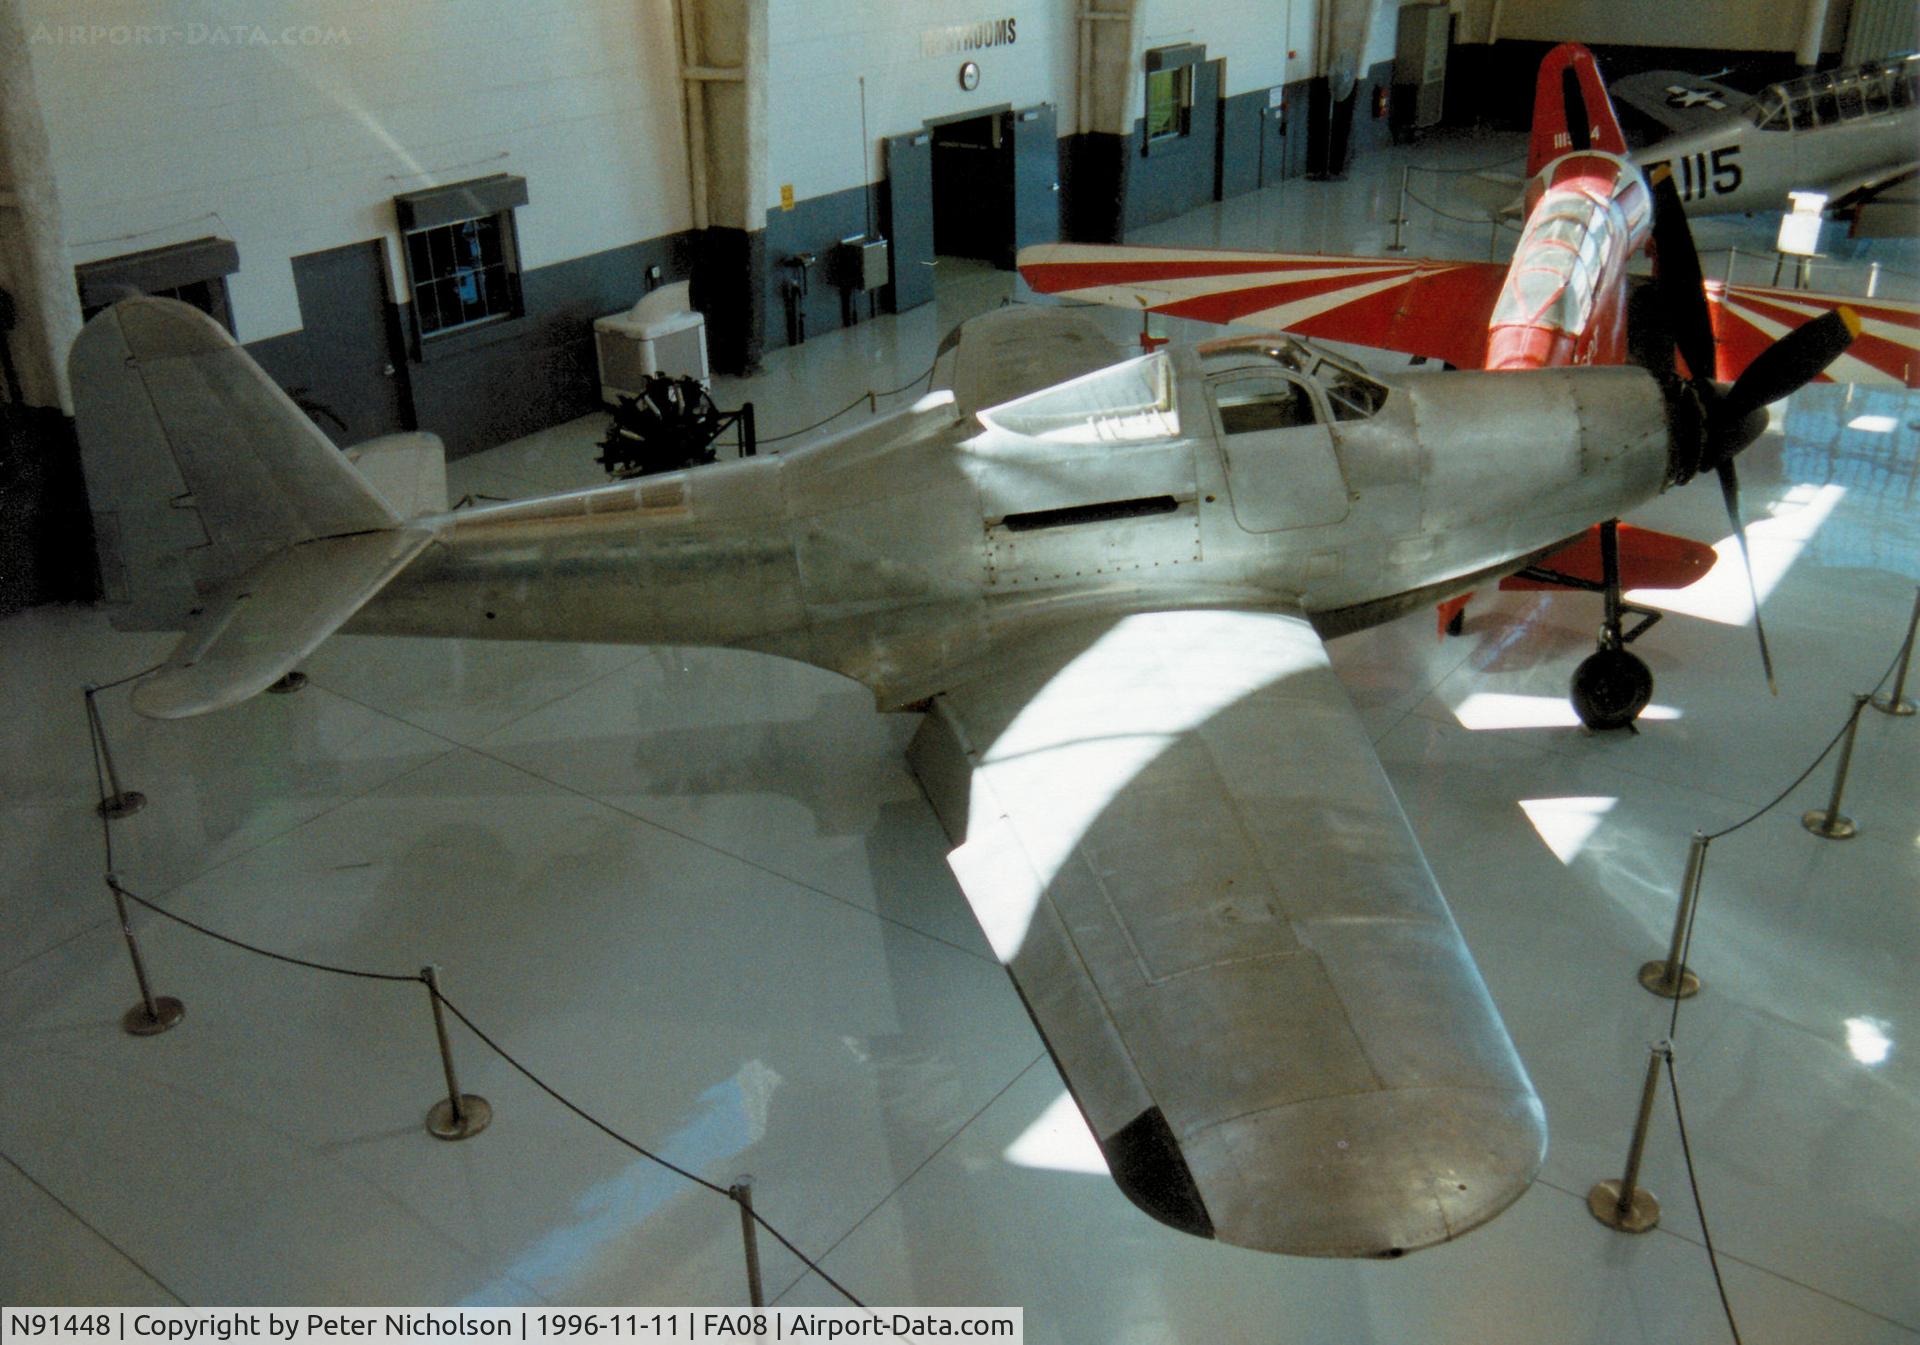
1565 298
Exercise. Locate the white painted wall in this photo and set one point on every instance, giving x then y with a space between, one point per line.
289 125
1730 25
819 49
1254 36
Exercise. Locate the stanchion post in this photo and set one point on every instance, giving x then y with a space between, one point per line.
1873 278
1670 979
118 802
1829 821
153 1014
458 1115
1624 1205
1895 702
742 1193
1400 214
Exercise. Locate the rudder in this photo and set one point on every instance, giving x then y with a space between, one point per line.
198 466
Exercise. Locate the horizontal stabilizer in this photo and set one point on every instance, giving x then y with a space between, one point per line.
261 624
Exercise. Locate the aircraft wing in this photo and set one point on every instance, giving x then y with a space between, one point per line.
1438 309
1749 318
1176 835
1674 102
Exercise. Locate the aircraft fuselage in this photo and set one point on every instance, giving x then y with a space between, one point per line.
919 543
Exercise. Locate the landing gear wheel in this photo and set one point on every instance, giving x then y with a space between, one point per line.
1610 689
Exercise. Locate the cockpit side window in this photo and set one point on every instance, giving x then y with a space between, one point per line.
1847 94
1873 87
1263 402
1825 105
1769 110
1351 396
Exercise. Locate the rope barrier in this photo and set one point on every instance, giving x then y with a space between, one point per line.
1685 954
1460 219
97 734
926 373
1814 765
1699 1205
113 883
1507 162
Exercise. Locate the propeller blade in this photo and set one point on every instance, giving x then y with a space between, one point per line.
1574 105
1790 363
1676 268
1730 492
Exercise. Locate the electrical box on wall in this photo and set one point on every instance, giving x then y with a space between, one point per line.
858 263
1420 66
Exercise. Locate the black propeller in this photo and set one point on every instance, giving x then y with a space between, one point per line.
1734 419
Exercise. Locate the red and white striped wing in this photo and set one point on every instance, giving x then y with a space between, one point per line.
1749 318
1434 308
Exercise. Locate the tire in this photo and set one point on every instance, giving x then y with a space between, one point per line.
1610 689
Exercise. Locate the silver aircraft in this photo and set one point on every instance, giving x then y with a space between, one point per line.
1103 584
1847 133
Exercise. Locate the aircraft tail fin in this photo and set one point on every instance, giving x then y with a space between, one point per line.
198 467
1571 109
219 507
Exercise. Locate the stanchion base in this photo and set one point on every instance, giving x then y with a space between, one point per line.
139 1023
1887 705
1653 975
1641 1214
1833 826
292 682
124 804
476 1113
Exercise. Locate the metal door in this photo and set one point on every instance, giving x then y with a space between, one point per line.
909 218
1273 142
356 380
1036 178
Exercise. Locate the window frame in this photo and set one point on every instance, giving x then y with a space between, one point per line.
1178 67
167 272
442 212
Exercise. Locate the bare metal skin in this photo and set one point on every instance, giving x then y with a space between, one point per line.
1107 593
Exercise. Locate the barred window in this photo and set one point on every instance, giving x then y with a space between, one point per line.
463 257
463 273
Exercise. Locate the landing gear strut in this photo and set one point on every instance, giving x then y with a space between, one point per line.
1611 686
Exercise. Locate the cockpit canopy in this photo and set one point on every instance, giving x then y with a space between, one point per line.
1123 403
1838 96
1262 383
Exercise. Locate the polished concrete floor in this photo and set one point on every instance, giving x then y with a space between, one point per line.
699 894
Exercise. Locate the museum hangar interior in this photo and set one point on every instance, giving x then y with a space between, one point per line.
698 891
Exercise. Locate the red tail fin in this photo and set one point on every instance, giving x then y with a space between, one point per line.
1571 110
